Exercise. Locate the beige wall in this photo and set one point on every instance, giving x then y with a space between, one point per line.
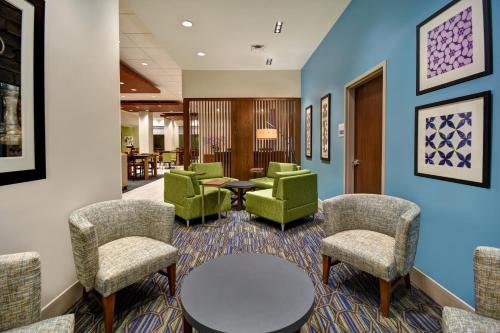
228 83
82 130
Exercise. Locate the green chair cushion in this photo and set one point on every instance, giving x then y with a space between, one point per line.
264 182
280 175
279 167
191 175
211 170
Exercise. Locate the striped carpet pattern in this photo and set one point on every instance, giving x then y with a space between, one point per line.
348 304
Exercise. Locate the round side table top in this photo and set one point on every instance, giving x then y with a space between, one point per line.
241 184
247 293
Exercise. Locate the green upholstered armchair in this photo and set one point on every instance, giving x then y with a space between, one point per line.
487 287
377 234
294 195
20 287
211 170
182 189
119 242
272 169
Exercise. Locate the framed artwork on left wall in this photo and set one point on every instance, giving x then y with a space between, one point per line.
22 115
325 127
308 139
454 45
453 140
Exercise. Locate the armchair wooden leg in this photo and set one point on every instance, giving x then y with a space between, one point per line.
108 304
171 278
85 294
385 296
408 281
327 263
187 328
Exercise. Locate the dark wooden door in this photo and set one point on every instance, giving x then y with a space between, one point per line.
368 137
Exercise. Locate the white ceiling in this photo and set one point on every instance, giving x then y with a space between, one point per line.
224 30
138 45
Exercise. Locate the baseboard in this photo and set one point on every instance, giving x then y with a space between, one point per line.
437 292
63 301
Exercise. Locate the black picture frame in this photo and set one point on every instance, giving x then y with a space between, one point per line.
308 135
486 139
39 171
323 128
488 50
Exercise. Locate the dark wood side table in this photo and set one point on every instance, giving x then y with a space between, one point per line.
257 172
239 188
258 293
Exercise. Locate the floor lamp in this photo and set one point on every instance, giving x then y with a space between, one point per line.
272 134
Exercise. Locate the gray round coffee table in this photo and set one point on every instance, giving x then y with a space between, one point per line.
246 293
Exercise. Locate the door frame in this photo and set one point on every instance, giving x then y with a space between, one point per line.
349 126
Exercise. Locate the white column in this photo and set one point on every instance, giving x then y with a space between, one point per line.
169 134
145 132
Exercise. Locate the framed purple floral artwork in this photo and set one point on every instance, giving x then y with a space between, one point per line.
454 45
453 138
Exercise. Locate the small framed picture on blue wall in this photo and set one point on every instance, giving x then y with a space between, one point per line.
308 138
454 45
453 139
325 127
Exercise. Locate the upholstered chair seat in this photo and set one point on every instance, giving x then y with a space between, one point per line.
20 286
369 251
487 290
376 234
125 261
117 243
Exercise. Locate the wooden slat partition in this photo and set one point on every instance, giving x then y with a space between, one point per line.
279 114
211 132
224 129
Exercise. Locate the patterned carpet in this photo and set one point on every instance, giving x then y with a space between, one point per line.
348 304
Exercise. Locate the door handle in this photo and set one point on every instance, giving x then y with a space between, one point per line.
356 162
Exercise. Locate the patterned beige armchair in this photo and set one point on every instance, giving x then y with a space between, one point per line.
487 283
376 234
117 243
20 287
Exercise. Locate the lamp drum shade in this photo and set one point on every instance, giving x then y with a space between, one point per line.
266 133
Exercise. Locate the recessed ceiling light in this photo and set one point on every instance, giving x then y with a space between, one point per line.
122 96
278 26
153 96
144 63
122 82
201 54
187 24
269 61
133 89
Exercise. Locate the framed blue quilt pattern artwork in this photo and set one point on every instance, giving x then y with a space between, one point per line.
452 140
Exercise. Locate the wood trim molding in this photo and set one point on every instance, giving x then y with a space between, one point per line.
62 302
436 291
349 88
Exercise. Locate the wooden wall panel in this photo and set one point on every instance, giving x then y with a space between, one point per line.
242 140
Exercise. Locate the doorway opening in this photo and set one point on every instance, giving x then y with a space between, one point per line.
364 153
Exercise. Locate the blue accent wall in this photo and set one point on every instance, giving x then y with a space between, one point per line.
455 218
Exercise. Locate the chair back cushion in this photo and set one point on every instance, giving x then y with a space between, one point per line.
19 290
280 175
279 167
116 219
192 177
375 212
487 281
211 170
298 190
